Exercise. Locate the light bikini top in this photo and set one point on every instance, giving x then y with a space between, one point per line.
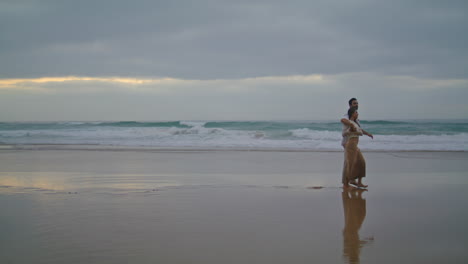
358 131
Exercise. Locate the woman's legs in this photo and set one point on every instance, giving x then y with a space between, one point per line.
360 168
360 184
355 165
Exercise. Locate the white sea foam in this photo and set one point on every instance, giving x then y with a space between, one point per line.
199 136
458 142
193 123
306 133
69 123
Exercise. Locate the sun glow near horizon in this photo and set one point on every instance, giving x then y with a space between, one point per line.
11 83
262 97
41 83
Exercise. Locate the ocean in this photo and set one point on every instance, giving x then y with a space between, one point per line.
414 135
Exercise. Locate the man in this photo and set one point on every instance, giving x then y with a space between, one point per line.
353 102
346 124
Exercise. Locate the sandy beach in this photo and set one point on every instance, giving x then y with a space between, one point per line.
66 205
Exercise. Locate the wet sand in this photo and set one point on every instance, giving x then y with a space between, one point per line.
155 206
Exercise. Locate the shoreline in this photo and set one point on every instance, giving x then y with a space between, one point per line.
95 147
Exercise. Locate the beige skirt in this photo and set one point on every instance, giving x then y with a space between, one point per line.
354 166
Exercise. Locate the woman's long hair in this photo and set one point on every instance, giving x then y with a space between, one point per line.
351 111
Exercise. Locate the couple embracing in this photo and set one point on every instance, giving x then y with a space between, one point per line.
354 167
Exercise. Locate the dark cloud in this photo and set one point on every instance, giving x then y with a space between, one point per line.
232 39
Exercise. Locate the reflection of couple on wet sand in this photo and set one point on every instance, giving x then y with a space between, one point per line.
354 207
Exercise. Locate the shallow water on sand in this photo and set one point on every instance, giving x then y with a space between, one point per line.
230 207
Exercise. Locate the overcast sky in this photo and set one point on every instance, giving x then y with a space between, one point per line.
232 60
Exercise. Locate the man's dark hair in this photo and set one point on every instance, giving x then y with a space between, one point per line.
351 111
351 101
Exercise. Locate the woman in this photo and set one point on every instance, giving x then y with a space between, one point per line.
354 165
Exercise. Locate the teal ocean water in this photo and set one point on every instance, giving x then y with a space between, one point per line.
424 135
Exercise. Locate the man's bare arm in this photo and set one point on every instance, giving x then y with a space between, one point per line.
348 123
345 121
